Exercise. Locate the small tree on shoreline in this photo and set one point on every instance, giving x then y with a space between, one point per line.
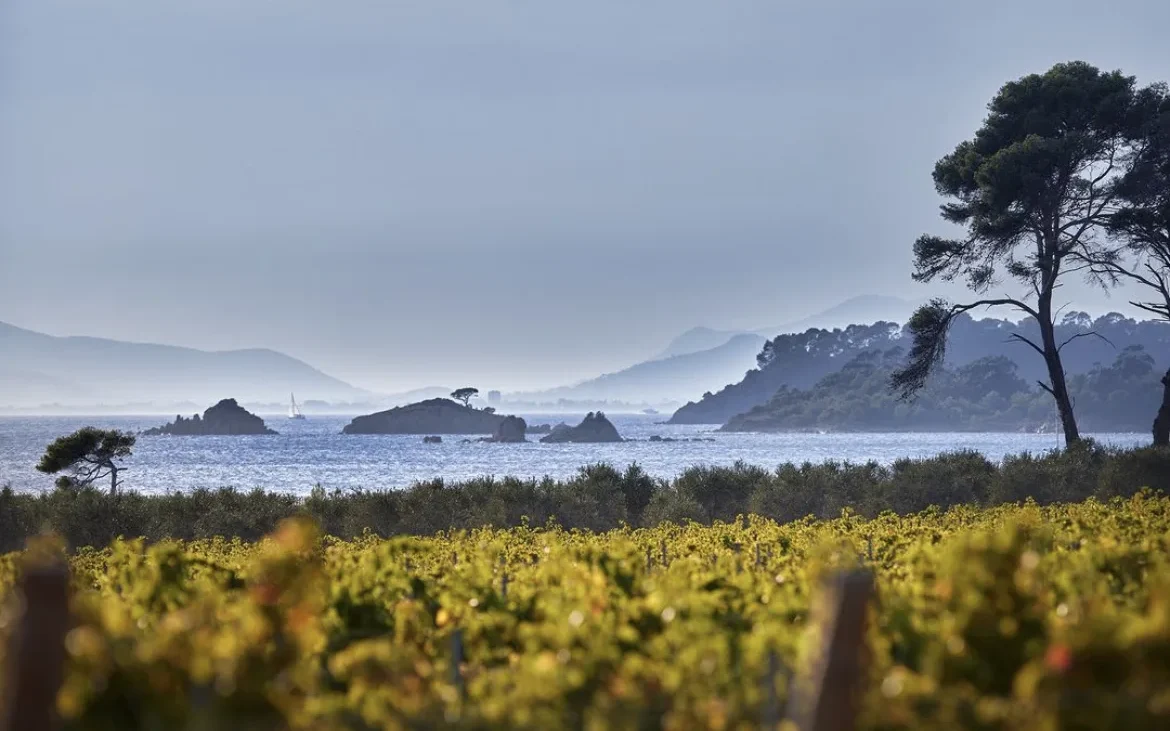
90 454
465 395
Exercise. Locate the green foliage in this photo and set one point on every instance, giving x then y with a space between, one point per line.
1051 477
1142 220
1142 223
984 395
638 489
721 492
598 498
1017 617
799 361
959 478
465 395
89 453
928 327
1033 188
1035 162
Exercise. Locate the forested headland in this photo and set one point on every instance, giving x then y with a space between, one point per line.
1067 178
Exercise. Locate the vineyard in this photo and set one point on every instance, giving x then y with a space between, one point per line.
1016 617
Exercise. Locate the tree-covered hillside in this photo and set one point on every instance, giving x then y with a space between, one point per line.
796 360
984 395
801 361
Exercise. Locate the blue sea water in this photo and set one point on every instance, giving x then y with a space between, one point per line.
314 451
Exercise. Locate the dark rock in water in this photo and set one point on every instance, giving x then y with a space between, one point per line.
432 440
594 428
433 416
559 429
227 418
539 428
661 439
511 429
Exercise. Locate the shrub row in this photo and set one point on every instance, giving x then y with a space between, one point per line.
599 497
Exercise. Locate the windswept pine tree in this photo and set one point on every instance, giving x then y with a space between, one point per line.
1033 189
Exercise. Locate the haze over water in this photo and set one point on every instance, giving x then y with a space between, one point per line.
409 194
314 452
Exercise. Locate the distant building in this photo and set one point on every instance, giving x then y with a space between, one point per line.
493 397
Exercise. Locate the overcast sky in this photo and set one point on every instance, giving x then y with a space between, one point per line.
511 194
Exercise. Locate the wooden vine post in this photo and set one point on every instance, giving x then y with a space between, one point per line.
35 662
828 698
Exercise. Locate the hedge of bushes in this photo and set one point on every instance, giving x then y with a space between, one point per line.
599 497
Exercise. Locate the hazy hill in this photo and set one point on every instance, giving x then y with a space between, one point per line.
794 360
863 308
705 359
800 360
676 378
419 394
38 369
697 339
985 395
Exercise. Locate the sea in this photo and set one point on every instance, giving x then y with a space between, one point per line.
314 452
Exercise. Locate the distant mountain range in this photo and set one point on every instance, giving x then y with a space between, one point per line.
665 380
863 308
415 395
707 359
38 369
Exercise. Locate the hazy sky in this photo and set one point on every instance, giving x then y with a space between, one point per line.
502 193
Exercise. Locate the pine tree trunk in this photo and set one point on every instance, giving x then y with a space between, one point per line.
113 480
1056 379
1162 421
1068 420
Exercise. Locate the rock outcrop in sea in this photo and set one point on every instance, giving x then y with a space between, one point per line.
593 429
431 417
227 418
511 429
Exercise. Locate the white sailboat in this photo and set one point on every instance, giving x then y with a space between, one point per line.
293 411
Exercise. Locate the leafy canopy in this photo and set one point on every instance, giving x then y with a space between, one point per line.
1038 172
89 453
1142 220
465 394
1033 188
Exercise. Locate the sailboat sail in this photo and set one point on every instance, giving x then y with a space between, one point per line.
293 411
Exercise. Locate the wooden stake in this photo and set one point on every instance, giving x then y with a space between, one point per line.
36 658
771 699
828 698
457 663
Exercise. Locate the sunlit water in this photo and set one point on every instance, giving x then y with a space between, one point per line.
314 451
